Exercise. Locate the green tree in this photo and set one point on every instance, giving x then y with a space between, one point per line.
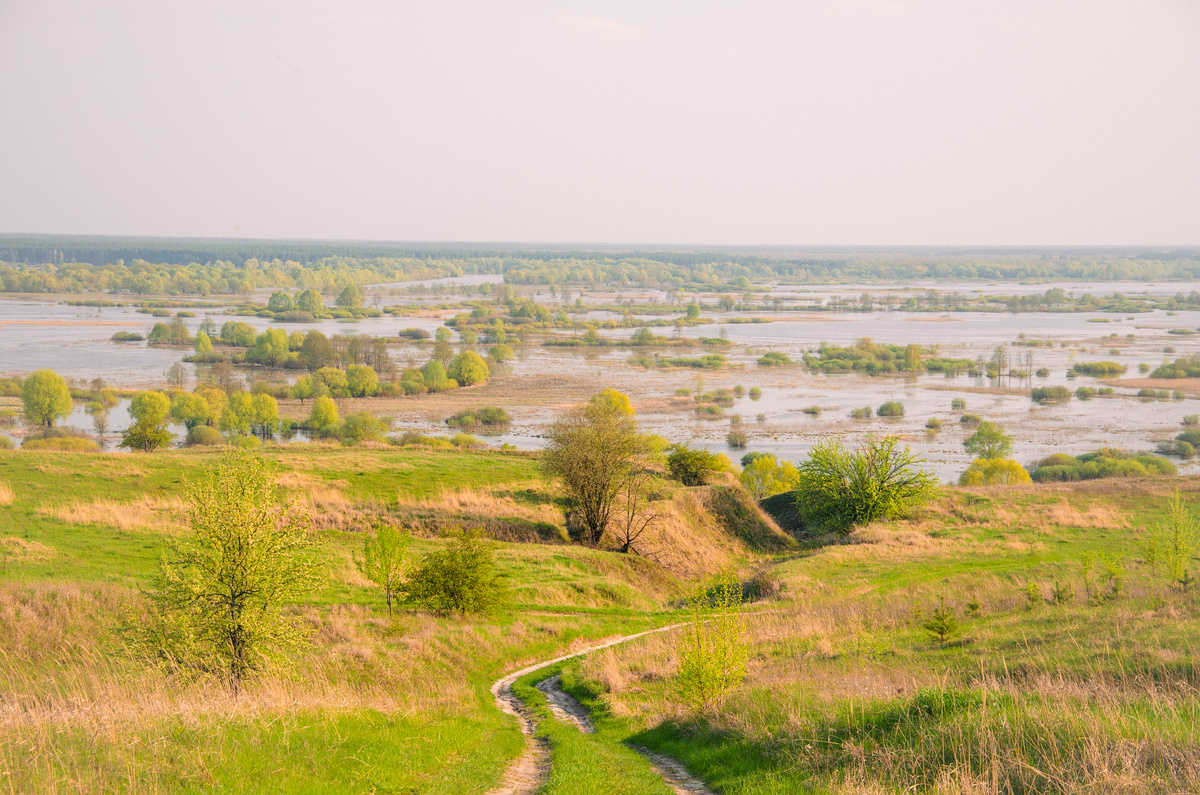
712 647
500 353
145 436
324 414
434 378
384 560
350 298
280 302
591 451
989 441
46 398
310 301
317 351
468 368
361 427
942 623
334 381
270 347
266 415
459 578
238 415
1178 540
361 380
190 409
693 311
618 401
302 390
204 346
150 407
220 595
840 489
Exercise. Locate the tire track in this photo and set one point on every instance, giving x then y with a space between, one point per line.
528 773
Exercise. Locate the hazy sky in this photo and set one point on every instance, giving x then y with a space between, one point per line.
803 122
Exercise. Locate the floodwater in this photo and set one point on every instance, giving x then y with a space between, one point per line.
75 342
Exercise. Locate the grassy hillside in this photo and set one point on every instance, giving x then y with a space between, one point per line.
847 692
375 705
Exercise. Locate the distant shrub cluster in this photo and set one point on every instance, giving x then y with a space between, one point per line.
491 418
1100 369
775 359
1050 394
871 358
1183 367
1107 462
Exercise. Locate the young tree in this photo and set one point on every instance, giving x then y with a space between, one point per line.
1178 540
190 409
691 465
280 302
317 351
591 450
46 398
994 472
840 489
712 648
221 592
203 345
765 476
310 301
266 415
146 436
350 298
459 578
150 407
384 561
361 380
324 414
989 441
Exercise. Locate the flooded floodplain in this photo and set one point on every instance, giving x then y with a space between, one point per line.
76 342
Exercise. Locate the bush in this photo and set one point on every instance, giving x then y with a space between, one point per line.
361 427
755 393
61 444
691 465
1043 372
970 419
994 472
461 578
933 424
840 489
1085 393
245 442
488 416
893 408
1050 394
414 334
815 411
958 404
1100 369
1191 419
6 443
1104 463
127 336
774 359
861 414
204 435
736 439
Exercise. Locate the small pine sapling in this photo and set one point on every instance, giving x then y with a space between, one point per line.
942 623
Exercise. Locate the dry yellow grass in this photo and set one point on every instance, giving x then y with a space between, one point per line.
23 550
6 494
148 513
474 504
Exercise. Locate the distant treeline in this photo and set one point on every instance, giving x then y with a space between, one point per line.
196 266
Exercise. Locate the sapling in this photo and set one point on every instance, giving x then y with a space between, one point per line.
942 623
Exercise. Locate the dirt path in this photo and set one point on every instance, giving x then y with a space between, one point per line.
564 707
527 774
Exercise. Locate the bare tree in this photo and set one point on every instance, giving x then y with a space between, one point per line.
635 513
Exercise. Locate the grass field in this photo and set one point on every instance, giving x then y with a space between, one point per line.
846 691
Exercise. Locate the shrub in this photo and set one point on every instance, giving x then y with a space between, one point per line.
468 368
691 465
1050 394
813 410
863 413
736 439
712 648
774 359
245 442
1191 419
958 404
6 443
893 408
1100 369
460 578
763 476
755 393
994 472
1043 372
1107 462
840 489
1085 393
488 416
933 424
414 334
127 336
204 435
361 427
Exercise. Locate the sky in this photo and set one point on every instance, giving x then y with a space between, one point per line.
809 122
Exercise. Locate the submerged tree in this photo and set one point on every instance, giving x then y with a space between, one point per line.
219 597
